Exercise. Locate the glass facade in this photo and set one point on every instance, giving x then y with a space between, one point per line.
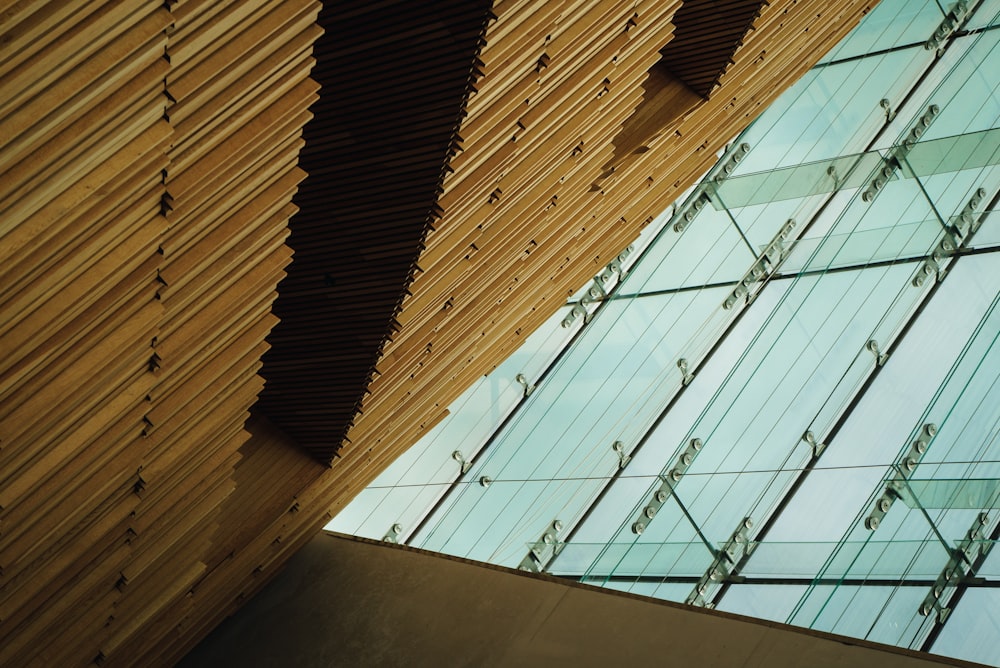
783 400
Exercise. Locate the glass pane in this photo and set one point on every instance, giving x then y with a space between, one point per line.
892 23
945 493
973 629
963 85
772 601
606 562
860 560
813 178
987 14
709 250
620 373
413 483
831 111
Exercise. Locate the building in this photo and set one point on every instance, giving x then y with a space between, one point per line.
469 164
782 400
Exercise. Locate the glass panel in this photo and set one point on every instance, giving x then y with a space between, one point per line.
621 371
772 601
990 570
411 485
709 250
860 235
632 560
892 23
934 494
831 111
987 14
973 629
988 235
813 178
963 84
867 560
951 154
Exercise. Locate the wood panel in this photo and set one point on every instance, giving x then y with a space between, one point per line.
147 166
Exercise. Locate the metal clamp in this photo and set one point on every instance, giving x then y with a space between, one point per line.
600 287
392 536
952 20
897 155
688 213
767 263
886 105
734 549
959 566
962 226
578 311
522 380
880 357
460 458
965 222
544 549
816 448
668 481
619 449
686 377
905 467
594 294
728 165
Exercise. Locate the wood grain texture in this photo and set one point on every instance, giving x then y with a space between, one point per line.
147 167
470 165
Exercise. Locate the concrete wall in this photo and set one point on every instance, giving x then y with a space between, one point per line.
349 602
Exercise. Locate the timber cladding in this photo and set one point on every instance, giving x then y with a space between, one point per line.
471 164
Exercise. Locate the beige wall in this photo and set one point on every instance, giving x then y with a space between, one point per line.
349 602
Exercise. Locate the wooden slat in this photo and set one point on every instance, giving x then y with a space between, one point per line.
145 202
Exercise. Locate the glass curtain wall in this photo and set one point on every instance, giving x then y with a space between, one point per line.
783 400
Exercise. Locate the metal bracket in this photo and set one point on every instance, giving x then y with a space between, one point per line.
958 567
962 226
831 171
576 312
522 380
460 458
767 263
897 155
392 536
668 481
735 156
965 222
816 448
886 105
687 215
701 196
595 293
880 357
686 377
616 266
600 288
734 549
544 549
619 449
904 469
952 20
886 172
927 269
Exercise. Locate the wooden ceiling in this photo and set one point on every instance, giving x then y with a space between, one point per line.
471 165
